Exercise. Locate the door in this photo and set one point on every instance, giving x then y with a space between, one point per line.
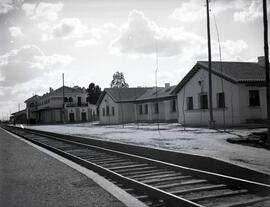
83 116
71 117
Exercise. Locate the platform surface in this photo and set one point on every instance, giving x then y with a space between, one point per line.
31 178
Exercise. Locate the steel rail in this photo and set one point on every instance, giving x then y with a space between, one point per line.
123 173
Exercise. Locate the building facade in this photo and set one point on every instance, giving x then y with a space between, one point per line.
62 105
157 105
238 94
130 105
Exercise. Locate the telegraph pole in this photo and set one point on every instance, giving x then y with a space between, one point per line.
63 108
266 59
211 124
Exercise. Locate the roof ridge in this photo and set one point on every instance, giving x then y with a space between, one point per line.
226 61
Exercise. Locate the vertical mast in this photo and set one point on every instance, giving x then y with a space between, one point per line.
266 58
211 121
63 113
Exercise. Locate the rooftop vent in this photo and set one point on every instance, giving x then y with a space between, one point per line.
167 85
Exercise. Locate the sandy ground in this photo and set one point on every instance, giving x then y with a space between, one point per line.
173 137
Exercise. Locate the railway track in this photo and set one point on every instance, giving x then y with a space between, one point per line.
154 182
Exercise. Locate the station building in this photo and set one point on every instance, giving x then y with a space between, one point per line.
63 105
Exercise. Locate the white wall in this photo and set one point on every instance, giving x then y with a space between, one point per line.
252 112
109 119
165 113
200 117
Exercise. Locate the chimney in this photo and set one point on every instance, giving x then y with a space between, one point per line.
167 85
261 61
51 89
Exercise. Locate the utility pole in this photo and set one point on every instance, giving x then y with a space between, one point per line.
63 108
266 59
211 123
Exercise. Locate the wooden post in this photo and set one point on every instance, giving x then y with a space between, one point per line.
211 124
63 108
266 59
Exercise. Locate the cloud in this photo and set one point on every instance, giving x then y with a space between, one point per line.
27 63
85 43
242 10
6 6
43 10
194 10
140 36
190 11
9 5
52 61
249 11
67 28
15 31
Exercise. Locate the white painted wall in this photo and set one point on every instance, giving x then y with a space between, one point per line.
200 117
105 119
252 112
165 114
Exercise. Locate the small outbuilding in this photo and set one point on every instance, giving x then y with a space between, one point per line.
126 105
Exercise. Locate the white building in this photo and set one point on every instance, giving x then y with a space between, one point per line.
117 105
58 106
239 94
157 105
125 105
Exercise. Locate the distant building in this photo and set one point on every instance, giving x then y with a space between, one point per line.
18 117
60 106
116 105
126 105
239 94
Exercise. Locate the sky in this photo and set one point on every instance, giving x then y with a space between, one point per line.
89 40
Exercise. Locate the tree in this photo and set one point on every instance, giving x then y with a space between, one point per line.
118 81
94 92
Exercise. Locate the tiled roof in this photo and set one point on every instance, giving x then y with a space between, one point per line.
136 94
67 89
155 93
239 71
32 98
125 94
236 72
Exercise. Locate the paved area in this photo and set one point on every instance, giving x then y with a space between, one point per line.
29 177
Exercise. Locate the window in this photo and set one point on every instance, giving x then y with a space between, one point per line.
32 105
70 99
103 111
107 111
79 101
156 109
190 103
173 106
146 109
112 110
203 101
140 109
65 99
254 98
221 100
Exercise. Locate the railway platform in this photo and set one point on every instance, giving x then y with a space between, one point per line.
29 177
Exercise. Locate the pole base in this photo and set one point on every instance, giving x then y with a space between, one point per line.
212 124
